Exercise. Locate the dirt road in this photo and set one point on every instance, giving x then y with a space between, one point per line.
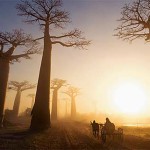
63 136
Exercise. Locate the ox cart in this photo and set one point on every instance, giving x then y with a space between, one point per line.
103 133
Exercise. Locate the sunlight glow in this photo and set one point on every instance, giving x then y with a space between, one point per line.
129 98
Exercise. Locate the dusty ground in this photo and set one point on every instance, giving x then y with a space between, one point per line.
64 136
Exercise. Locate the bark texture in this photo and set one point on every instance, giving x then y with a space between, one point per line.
73 108
17 103
40 112
54 105
4 72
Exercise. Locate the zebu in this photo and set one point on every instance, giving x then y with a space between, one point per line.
117 135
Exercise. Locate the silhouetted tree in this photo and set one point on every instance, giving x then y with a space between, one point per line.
135 21
56 84
73 92
66 106
33 97
9 42
49 15
19 87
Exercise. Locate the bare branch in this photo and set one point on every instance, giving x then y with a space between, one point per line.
43 11
38 38
72 91
76 44
16 57
22 86
29 11
134 21
29 86
59 18
12 88
49 15
33 50
58 83
75 39
15 39
72 34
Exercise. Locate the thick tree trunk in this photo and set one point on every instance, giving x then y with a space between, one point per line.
54 105
73 108
40 112
32 103
66 109
17 103
4 72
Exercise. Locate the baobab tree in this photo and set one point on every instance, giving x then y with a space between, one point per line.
73 92
10 43
66 106
33 97
135 21
19 87
50 17
56 84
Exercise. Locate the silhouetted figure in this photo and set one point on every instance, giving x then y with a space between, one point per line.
109 126
95 128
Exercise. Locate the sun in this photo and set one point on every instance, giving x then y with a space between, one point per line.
129 98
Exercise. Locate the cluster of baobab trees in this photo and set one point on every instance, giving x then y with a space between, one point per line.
48 14
71 91
56 84
9 43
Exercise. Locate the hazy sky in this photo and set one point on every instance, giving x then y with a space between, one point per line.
108 61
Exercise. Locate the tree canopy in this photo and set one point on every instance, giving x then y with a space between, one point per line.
10 41
25 85
135 21
50 12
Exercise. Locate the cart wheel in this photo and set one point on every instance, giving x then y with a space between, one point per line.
122 139
103 137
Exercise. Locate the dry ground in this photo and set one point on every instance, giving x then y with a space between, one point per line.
64 136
